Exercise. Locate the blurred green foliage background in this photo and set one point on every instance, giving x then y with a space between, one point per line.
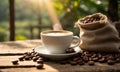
27 12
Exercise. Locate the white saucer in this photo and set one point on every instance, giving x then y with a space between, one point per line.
45 53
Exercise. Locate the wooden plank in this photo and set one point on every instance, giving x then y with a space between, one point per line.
6 65
18 47
5 61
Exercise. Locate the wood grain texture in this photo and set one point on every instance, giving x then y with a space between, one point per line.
6 65
29 66
13 47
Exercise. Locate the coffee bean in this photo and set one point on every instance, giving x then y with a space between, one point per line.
94 55
81 62
86 52
32 53
31 56
86 21
99 56
40 66
95 59
15 62
110 58
85 59
70 50
90 58
117 60
35 59
73 63
88 55
76 59
40 61
102 60
21 58
111 62
36 54
116 56
40 58
27 58
90 62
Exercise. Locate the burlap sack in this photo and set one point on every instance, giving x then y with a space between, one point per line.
98 34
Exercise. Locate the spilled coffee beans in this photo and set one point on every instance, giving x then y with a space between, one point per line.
90 58
31 56
82 58
15 62
40 66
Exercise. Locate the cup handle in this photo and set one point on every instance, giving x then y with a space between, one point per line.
78 42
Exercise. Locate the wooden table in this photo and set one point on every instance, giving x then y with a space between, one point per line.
12 50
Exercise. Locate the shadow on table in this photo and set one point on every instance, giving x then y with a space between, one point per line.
84 68
67 67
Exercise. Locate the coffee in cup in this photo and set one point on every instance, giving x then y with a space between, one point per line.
56 42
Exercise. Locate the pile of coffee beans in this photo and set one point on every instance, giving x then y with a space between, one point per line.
90 58
92 19
33 56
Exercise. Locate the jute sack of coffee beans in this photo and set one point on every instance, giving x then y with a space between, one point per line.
98 34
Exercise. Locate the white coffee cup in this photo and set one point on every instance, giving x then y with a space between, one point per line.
56 42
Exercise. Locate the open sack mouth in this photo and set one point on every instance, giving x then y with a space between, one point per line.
92 22
97 17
